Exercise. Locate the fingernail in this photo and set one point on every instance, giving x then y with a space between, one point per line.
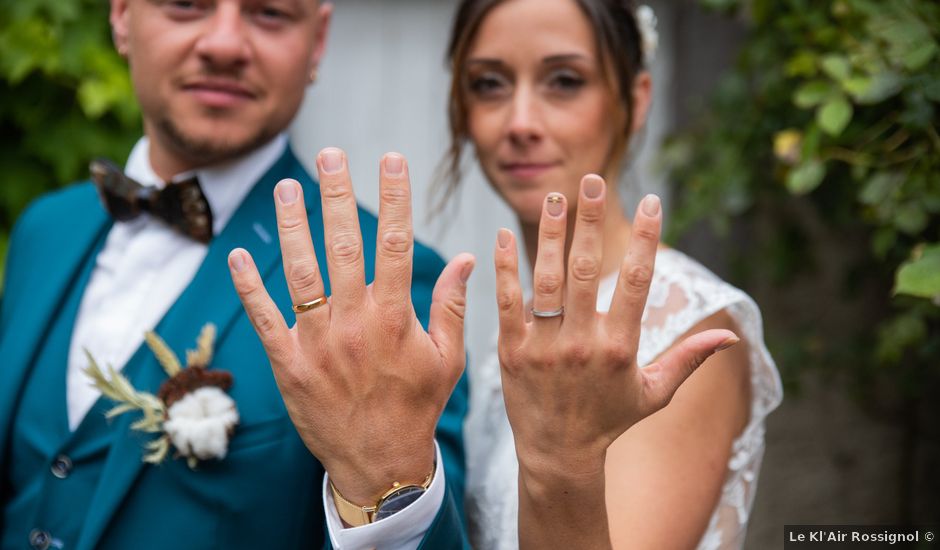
503 237
727 343
238 261
332 160
651 205
394 164
287 192
593 187
465 272
555 204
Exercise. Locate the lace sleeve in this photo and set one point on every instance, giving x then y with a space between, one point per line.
684 293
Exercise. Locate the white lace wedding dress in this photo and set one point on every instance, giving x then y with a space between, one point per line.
682 294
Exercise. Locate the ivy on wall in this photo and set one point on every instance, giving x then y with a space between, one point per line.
828 125
65 98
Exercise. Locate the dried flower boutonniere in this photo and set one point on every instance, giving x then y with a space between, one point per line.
191 410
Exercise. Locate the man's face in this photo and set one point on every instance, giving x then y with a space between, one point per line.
217 78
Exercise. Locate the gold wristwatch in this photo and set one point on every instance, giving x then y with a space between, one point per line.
397 498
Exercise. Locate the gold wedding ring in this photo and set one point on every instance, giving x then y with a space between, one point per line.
307 306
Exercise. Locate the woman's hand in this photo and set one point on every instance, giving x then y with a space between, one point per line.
571 381
363 382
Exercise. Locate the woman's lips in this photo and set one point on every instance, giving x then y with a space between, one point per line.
527 170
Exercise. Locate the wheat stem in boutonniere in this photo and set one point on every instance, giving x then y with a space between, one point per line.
118 388
202 355
166 357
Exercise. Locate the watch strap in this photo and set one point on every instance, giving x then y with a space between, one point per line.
355 515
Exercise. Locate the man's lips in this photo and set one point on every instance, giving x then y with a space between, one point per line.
527 170
219 94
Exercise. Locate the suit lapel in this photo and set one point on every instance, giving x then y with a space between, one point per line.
209 298
73 242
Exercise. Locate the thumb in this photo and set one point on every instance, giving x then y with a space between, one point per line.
674 367
448 308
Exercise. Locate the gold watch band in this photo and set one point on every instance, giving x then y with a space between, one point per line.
355 515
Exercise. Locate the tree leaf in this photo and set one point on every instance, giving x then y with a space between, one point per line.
836 66
920 277
834 115
812 93
806 177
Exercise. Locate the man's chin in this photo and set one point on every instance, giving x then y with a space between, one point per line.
213 145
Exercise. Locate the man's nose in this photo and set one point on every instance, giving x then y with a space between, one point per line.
524 118
224 43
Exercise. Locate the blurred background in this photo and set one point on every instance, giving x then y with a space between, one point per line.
795 144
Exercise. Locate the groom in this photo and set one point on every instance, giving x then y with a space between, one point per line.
218 82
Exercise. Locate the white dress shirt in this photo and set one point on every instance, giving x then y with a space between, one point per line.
140 273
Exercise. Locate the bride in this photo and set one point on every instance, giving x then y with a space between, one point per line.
547 91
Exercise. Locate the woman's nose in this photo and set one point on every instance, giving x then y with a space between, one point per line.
524 119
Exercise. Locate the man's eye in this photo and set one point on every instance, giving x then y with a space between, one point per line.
184 8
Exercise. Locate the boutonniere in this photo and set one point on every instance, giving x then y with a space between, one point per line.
191 410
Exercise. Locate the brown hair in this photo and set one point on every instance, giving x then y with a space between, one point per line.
618 42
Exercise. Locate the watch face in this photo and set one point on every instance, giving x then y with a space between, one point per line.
398 501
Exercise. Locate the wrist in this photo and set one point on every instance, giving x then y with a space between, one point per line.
542 475
365 478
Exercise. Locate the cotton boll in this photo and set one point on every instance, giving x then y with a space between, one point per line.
199 423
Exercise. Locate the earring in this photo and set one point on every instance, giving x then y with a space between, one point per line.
313 75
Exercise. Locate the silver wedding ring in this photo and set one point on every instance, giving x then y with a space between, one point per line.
548 314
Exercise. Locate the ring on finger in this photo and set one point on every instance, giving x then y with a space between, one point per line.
307 306
548 314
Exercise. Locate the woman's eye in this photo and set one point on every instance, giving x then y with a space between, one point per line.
565 82
487 86
184 8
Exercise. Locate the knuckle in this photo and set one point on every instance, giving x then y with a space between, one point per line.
553 231
577 353
547 283
505 300
585 268
395 194
397 241
352 339
346 247
291 222
618 355
336 190
638 278
591 214
264 321
303 276
645 232
456 306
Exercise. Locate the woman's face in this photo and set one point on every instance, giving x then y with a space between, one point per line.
539 110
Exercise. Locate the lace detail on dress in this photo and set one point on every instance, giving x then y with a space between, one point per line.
682 294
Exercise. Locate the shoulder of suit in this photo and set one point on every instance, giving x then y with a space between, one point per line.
70 200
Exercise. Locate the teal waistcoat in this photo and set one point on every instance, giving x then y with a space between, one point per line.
51 463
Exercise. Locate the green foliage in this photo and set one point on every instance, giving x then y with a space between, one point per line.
65 98
826 131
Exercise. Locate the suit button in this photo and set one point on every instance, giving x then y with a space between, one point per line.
39 539
61 466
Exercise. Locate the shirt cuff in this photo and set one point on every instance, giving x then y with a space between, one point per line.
402 531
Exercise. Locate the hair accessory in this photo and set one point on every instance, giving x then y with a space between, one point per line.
646 22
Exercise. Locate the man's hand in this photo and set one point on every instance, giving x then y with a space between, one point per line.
363 382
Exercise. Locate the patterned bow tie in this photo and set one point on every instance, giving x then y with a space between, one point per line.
181 205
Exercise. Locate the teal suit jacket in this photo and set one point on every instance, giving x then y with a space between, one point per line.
267 492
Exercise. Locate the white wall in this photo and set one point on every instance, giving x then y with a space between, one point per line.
383 87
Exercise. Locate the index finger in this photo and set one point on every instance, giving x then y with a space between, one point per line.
636 273
343 238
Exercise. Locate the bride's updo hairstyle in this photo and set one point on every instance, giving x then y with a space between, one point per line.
618 41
